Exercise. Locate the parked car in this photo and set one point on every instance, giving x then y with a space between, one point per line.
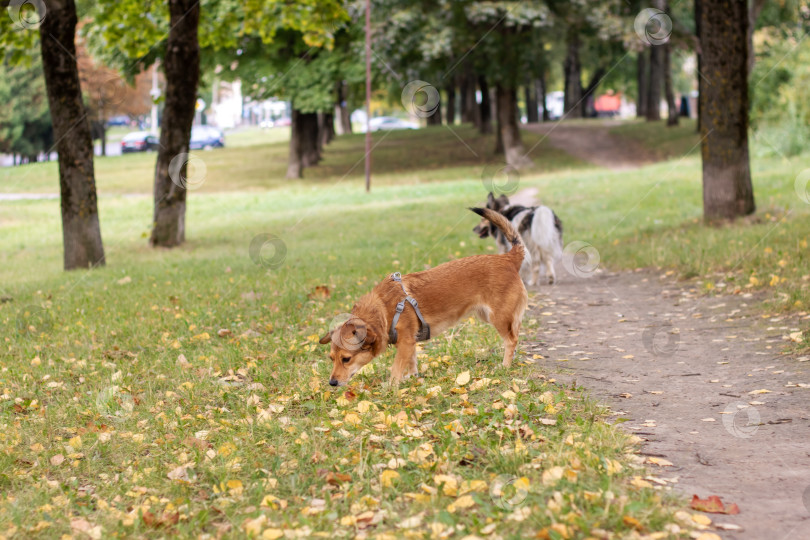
387 123
139 141
119 121
206 137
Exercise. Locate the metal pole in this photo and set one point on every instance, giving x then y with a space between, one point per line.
368 95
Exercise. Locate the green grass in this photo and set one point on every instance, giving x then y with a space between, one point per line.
661 141
113 378
400 157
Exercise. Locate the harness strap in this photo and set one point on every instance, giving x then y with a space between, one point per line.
424 328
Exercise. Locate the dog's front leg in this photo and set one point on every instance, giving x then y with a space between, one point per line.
404 360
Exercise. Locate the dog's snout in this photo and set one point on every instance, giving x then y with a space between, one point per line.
333 382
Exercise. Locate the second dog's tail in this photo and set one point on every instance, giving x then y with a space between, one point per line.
518 251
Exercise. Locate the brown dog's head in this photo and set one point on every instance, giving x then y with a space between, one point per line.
483 229
351 349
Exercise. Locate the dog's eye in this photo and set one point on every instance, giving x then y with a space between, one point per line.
346 359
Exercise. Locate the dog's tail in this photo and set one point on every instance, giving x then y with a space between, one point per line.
518 251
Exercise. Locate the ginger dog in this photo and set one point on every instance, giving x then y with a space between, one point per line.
488 286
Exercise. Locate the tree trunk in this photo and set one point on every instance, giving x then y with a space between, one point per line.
753 15
573 78
295 167
450 110
727 189
532 115
493 98
654 88
485 110
81 233
470 103
435 119
698 16
326 129
643 81
344 115
182 69
672 107
464 113
541 87
310 153
513 148
587 101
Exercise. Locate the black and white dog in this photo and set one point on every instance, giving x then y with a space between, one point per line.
540 229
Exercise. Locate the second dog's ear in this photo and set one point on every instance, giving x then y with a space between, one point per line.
326 339
503 201
491 200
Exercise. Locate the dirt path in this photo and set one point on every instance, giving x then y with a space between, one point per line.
684 371
595 143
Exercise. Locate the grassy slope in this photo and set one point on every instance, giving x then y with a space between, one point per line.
103 364
109 351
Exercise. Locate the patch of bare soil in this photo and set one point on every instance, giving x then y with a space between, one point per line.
701 380
596 144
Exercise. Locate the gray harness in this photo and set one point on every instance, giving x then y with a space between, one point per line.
424 328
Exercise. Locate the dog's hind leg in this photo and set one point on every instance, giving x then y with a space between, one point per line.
509 329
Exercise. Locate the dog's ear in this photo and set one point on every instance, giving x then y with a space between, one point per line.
371 338
326 339
491 202
503 201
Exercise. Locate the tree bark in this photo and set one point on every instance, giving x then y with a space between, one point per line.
541 88
530 91
643 82
450 110
326 129
81 233
654 88
309 135
587 102
344 115
573 78
435 119
698 16
182 69
672 107
485 110
753 15
727 189
470 103
295 167
513 148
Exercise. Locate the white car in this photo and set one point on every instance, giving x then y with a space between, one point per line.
387 123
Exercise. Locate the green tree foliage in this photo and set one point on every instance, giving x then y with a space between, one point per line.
25 122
